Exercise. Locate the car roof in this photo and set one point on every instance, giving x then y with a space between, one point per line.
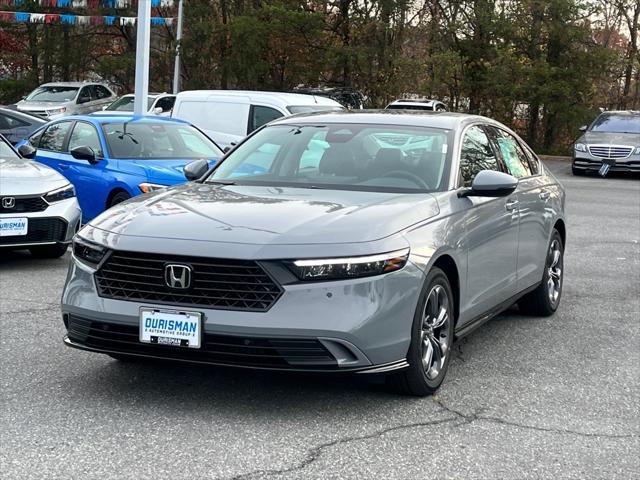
119 118
70 84
631 113
288 99
150 94
417 118
414 101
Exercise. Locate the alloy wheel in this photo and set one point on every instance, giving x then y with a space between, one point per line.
435 341
554 270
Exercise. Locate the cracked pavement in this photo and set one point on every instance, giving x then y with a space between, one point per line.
525 398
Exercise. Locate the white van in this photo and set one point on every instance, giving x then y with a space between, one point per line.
227 116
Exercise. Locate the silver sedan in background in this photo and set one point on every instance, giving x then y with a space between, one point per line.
334 242
38 206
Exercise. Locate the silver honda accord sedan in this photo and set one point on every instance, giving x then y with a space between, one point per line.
38 206
336 242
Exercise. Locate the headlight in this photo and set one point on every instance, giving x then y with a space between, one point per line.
150 187
56 111
351 267
580 147
88 252
637 152
60 194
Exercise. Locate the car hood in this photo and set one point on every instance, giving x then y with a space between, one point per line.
25 177
29 106
267 215
163 172
607 138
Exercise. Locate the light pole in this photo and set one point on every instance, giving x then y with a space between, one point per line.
143 47
176 65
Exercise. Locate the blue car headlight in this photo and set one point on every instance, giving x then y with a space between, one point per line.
349 267
68 191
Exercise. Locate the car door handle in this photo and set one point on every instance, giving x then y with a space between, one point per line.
63 166
544 195
511 205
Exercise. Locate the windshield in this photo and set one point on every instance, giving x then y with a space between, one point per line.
6 151
613 123
312 108
157 141
125 104
53 94
342 156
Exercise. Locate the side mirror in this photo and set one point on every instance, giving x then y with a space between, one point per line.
105 107
583 128
195 170
27 151
231 146
158 110
84 153
489 183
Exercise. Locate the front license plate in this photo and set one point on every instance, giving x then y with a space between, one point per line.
13 226
170 327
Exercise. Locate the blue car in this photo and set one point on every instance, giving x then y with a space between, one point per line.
112 158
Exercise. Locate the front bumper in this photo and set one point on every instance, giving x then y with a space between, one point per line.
56 224
589 163
357 325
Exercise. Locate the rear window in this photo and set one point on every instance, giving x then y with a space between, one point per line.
616 123
293 109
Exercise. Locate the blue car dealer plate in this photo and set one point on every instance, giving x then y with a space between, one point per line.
170 327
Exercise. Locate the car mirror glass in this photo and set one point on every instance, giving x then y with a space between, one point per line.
84 153
27 151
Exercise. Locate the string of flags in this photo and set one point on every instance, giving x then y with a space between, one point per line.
91 3
25 17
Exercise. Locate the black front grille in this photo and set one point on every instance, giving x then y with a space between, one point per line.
23 205
217 283
39 230
283 353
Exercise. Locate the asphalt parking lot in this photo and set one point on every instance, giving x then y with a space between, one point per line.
524 397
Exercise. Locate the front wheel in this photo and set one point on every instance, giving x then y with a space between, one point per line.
431 339
119 198
544 300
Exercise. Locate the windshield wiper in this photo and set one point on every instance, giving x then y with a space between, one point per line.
222 182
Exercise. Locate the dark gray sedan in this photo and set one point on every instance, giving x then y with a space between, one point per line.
334 242
16 126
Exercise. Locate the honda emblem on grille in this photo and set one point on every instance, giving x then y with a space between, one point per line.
8 202
177 276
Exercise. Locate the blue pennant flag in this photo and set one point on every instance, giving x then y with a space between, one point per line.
64 3
68 19
109 20
155 3
22 17
157 21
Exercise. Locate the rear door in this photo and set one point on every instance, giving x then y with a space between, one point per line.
533 198
491 227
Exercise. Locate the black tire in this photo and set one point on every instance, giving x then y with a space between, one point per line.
118 198
416 380
540 302
49 251
577 171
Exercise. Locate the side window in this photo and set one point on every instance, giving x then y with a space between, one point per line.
53 137
512 154
101 92
261 116
85 135
476 155
166 103
34 139
8 122
84 96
